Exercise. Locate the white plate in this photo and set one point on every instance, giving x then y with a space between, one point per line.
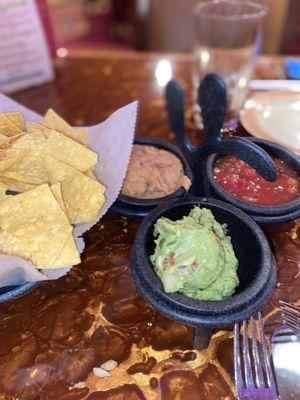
274 115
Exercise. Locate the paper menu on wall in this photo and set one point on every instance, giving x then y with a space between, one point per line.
24 54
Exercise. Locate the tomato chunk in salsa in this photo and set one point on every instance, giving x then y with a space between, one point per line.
244 183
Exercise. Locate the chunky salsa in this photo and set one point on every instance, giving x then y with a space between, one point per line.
244 183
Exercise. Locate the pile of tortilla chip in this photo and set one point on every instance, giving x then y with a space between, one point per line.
47 185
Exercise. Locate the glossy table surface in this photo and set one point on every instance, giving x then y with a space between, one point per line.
51 339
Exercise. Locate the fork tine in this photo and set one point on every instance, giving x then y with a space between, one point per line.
259 377
237 358
267 361
284 304
247 359
292 315
291 321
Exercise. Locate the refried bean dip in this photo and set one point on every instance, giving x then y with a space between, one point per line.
153 173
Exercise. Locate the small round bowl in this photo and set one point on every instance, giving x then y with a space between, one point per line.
261 214
256 270
13 292
133 206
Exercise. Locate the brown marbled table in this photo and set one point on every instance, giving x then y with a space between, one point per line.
51 339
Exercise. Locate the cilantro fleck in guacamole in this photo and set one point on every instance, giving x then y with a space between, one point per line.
194 256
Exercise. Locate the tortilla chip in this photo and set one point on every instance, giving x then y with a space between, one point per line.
31 168
79 135
3 189
83 196
17 117
68 254
9 157
11 124
90 174
70 152
34 127
16 185
56 190
33 226
6 142
55 122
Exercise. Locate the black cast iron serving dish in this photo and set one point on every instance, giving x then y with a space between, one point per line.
133 206
257 153
256 270
256 266
261 214
198 162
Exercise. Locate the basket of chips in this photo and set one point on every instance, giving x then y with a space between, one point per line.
56 182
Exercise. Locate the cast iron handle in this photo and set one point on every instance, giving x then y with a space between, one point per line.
213 102
175 107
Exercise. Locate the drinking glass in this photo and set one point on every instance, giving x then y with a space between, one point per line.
228 36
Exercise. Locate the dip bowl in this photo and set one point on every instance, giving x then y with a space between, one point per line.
133 206
256 270
261 214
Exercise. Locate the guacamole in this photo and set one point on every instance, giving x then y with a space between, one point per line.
194 256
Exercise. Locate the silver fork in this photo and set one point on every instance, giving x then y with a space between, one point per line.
290 314
254 376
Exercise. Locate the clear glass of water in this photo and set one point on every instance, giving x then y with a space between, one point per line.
228 36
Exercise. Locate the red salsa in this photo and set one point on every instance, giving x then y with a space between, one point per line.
244 183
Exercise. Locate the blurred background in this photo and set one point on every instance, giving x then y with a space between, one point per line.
151 25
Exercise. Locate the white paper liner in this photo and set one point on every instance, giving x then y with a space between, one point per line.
112 140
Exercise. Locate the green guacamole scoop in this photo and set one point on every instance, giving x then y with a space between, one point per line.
194 256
